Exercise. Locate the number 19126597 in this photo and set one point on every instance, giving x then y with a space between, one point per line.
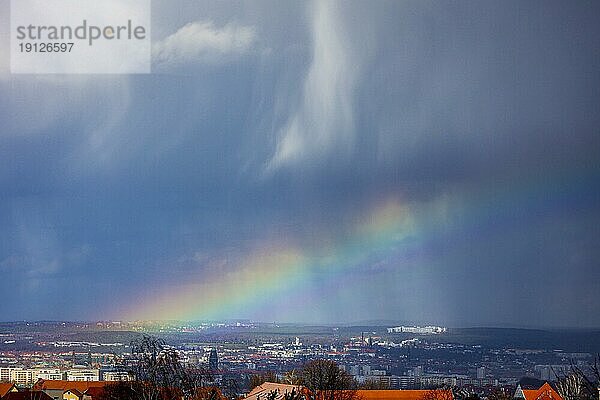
45 47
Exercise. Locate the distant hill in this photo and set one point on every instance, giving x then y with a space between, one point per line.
569 340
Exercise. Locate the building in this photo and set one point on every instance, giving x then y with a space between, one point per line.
93 393
23 377
72 394
433 381
545 392
57 389
262 392
213 360
424 382
405 394
30 395
50 374
116 376
391 381
281 390
551 372
421 330
27 377
5 374
7 388
83 374
481 373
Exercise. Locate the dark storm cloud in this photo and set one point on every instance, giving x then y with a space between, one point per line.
480 115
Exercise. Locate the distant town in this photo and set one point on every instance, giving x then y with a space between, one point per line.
470 362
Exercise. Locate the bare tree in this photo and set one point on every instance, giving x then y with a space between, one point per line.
438 394
209 393
500 394
259 379
571 386
292 377
292 395
576 384
159 374
230 388
325 380
121 390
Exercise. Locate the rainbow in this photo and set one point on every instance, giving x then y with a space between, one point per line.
274 270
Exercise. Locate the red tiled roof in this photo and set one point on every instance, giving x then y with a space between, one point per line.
94 392
267 387
546 392
405 394
33 395
263 390
5 388
81 386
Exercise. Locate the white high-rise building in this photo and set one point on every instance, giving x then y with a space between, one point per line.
23 377
5 374
421 330
116 376
54 374
83 374
481 373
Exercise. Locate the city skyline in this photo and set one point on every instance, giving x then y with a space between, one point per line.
317 162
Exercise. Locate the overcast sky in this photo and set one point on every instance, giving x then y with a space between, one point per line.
236 179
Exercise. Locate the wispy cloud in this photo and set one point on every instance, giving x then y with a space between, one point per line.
202 42
324 120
